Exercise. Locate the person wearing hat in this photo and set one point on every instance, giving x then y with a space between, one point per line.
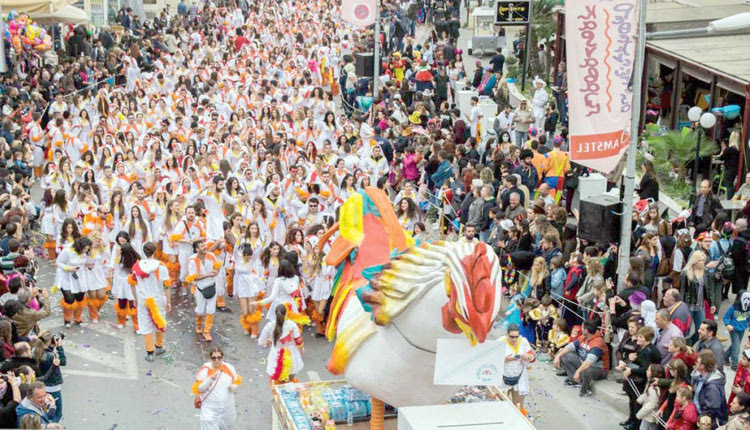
522 119
527 171
539 102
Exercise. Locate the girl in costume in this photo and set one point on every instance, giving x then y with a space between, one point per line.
286 291
284 339
320 281
248 286
123 258
71 264
97 266
270 264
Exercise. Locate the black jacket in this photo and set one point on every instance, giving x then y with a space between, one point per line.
648 188
646 357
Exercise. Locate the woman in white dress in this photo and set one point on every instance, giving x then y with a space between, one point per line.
286 291
284 339
247 286
97 271
71 280
138 229
539 103
215 384
123 256
518 357
320 282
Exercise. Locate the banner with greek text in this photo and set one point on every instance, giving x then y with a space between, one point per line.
600 57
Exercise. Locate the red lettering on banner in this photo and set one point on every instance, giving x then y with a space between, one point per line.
593 146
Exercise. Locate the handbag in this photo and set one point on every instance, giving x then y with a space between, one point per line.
208 292
511 381
198 400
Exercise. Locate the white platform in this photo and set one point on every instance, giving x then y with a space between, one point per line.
464 416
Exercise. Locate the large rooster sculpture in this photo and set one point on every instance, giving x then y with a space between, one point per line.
392 302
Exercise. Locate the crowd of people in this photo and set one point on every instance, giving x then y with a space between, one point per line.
206 153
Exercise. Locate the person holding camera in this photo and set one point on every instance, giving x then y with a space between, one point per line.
10 397
26 319
49 355
38 402
149 281
202 270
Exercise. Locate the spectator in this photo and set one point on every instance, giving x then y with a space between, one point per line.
681 351
667 331
741 383
704 208
647 355
38 402
738 410
708 384
735 319
26 319
584 360
694 287
708 341
21 358
684 415
679 312
49 356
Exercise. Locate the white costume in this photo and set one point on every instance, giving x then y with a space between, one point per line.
217 407
150 276
290 339
516 367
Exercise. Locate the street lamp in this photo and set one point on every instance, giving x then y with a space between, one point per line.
705 121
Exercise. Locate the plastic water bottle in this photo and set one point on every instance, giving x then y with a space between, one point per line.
349 418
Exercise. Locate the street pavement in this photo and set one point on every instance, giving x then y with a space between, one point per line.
109 385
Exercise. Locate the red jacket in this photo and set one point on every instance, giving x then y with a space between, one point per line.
684 418
741 379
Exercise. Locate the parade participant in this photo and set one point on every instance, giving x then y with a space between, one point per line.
97 266
138 229
72 281
203 269
320 282
169 248
149 282
185 233
286 291
214 387
248 286
123 259
518 356
284 339
270 259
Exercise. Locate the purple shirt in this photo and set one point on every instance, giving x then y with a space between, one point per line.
665 336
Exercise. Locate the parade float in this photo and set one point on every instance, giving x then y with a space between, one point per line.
391 303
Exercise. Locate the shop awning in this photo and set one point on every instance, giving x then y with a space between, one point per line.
724 56
65 15
33 6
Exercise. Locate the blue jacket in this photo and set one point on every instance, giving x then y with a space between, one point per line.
709 397
443 172
27 407
737 318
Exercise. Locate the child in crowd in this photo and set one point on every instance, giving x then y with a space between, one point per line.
684 415
528 325
558 337
513 313
649 400
544 316
557 279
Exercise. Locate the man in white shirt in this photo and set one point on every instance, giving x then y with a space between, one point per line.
503 121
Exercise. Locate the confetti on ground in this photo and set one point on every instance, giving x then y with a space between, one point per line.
159 411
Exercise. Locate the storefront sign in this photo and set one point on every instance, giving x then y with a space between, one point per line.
601 53
512 12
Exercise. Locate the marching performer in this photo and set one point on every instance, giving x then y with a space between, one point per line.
203 269
149 282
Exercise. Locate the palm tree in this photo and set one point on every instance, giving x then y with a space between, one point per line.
544 26
674 149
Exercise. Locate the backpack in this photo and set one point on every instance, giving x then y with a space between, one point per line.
725 269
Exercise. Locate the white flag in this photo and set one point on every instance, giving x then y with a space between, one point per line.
358 12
